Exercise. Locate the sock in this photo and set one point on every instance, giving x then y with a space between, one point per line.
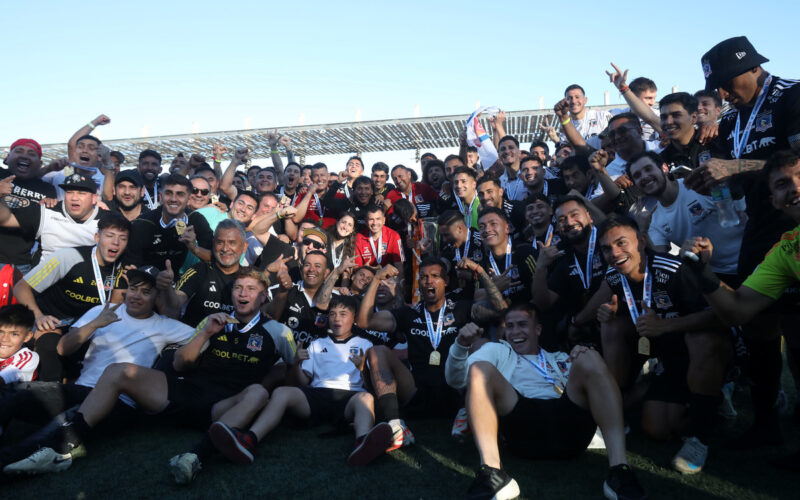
252 436
204 448
387 408
764 368
50 367
701 413
69 435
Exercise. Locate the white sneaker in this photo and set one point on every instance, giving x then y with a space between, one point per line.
460 429
402 437
184 467
42 461
691 457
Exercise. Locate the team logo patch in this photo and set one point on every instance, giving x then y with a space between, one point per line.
293 322
478 256
418 198
449 319
695 209
763 122
354 351
255 342
562 366
662 301
514 273
321 320
706 68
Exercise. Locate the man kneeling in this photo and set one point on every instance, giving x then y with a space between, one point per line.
546 405
331 390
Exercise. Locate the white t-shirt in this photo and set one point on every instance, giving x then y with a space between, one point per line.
56 178
692 214
137 341
593 122
20 367
329 363
530 383
58 230
514 188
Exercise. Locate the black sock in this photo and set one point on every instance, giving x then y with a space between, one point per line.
764 368
701 413
69 436
50 367
387 408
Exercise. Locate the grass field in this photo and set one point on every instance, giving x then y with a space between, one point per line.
296 463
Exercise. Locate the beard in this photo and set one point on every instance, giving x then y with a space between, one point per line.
579 238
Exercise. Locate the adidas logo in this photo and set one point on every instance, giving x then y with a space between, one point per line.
79 279
212 288
740 55
324 349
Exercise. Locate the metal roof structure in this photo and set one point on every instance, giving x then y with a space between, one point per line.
336 138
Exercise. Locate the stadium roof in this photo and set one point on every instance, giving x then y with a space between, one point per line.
336 138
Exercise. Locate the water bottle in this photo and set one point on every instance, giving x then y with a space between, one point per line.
721 196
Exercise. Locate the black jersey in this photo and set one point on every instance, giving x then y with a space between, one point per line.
776 125
410 321
152 242
64 282
208 289
523 257
236 359
674 291
306 321
566 279
687 156
17 243
553 189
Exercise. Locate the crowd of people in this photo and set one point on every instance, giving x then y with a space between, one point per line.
542 302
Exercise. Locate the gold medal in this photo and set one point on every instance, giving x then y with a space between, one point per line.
180 227
435 358
232 320
558 389
68 171
285 200
644 346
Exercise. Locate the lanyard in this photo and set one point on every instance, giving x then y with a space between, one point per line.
103 291
512 195
320 208
346 190
379 252
541 367
547 237
647 292
508 261
467 215
247 327
466 246
152 203
435 335
586 279
591 190
740 142
545 189
410 197
173 221
337 261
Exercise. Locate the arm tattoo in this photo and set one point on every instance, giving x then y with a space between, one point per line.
748 166
323 295
495 295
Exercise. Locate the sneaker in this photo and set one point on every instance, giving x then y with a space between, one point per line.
402 436
184 467
237 446
597 443
43 460
494 484
691 457
460 429
373 445
621 484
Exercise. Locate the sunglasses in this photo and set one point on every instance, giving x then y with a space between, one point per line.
314 243
204 192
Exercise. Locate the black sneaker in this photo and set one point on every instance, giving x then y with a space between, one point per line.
621 484
235 445
492 484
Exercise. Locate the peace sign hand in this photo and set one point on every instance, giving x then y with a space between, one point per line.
107 315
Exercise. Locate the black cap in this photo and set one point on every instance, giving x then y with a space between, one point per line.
145 273
119 156
131 175
729 59
77 182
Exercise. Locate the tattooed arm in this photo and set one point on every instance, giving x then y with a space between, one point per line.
485 309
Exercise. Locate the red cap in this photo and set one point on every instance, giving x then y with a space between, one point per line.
28 142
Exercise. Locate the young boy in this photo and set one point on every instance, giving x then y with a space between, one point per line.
17 363
332 389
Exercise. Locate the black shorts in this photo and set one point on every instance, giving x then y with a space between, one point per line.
327 405
668 383
432 401
191 400
547 428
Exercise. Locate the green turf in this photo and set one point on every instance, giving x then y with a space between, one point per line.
296 463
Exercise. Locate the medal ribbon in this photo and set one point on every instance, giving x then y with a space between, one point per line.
172 223
466 246
247 327
586 279
740 142
647 292
435 335
379 252
467 215
99 280
152 203
547 237
541 367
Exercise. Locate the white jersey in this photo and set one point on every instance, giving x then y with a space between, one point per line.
20 367
529 382
593 122
692 214
329 363
131 340
56 178
58 230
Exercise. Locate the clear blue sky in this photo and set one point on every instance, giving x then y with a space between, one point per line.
178 67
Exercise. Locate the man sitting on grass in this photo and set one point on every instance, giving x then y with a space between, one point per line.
546 405
331 391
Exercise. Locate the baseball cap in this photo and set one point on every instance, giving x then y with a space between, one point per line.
729 59
130 175
316 232
143 273
77 182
